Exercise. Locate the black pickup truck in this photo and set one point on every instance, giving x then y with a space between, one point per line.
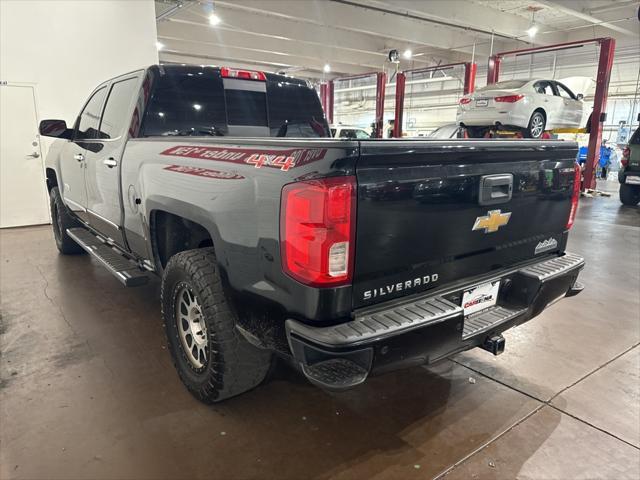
349 258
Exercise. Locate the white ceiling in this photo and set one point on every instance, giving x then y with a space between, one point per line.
354 36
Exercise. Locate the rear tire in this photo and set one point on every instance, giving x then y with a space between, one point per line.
629 195
537 124
213 359
61 219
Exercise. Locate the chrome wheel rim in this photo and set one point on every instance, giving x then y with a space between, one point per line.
192 329
536 125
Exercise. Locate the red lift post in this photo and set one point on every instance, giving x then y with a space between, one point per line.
469 85
605 62
327 98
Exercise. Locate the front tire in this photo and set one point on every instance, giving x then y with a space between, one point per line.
61 220
213 359
629 195
537 124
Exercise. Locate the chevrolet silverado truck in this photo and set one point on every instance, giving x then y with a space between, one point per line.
349 258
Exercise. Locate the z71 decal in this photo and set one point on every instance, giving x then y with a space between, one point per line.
204 172
281 159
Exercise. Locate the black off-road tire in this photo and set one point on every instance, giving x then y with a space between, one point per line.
536 116
61 219
629 195
234 365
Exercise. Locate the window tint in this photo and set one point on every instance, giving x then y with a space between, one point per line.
116 112
90 116
246 107
298 106
544 87
347 133
361 134
187 101
333 132
564 91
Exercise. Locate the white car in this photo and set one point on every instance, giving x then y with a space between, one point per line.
530 105
344 131
450 130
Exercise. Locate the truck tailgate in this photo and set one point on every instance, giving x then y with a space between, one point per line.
432 212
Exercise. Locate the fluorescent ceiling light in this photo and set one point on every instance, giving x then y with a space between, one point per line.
327 68
532 30
214 19
407 54
159 46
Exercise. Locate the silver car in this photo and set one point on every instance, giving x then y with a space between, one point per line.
532 106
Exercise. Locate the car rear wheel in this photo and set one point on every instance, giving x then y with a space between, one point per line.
212 358
536 126
629 194
477 132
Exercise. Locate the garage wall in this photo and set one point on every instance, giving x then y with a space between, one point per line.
66 48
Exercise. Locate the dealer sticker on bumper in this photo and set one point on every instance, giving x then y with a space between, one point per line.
480 297
632 180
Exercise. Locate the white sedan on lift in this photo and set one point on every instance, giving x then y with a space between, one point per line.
532 106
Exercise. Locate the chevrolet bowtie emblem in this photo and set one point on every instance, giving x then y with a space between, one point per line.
492 221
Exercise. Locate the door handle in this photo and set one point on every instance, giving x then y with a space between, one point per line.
79 157
110 162
34 155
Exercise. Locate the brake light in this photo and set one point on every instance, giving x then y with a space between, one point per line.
509 98
575 195
317 231
227 72
465 100
626 153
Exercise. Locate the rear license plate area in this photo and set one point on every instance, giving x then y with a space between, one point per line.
632 180
480 297
483 102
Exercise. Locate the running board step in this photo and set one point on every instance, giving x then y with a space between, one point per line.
335 373
120 266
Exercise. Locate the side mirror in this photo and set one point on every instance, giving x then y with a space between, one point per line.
580 96
55 128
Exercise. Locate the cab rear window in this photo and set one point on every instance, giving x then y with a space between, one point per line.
193 101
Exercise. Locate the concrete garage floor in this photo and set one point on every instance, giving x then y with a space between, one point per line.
88 389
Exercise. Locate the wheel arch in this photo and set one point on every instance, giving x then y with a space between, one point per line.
172 233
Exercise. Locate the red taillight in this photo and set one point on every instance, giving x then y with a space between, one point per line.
509 98
575 195
465 100
227 72
626 153
317 231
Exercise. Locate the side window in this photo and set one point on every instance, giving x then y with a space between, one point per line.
544 88
333 132
347 133
90 116
116 112
361 134
564 91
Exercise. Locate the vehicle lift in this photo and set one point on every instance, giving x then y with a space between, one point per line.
470 69
607 47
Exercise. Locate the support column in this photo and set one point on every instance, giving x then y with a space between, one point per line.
399 111
381 82
598 115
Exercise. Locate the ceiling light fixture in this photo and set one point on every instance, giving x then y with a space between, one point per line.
326 68
159 46
214 20
407 54
532 30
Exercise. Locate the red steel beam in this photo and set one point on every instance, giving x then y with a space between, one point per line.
323 98
399 110
605 62
329 111
381 82
470 70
